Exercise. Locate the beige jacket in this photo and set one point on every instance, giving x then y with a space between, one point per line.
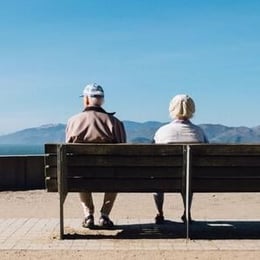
95 125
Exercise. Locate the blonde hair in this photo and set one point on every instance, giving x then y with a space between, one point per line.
182 107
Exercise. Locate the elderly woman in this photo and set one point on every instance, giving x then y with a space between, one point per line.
180 130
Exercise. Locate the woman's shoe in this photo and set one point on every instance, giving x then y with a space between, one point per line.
159 219
183 218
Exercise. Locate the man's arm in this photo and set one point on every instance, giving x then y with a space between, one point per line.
120 133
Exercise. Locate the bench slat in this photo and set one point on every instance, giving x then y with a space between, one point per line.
127 161
125 172
225 161
125 149
122 173
226 172
119 185
226 185
51 159
226 150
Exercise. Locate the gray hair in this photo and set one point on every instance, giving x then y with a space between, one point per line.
95 101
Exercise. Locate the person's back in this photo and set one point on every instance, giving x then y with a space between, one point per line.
95 125
180 130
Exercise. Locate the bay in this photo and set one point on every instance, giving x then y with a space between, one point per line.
21 149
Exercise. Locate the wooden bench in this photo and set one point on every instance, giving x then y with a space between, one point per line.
182 168
113 168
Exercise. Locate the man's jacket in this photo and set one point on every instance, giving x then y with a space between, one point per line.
95 125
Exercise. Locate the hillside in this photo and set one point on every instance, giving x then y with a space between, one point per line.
136 133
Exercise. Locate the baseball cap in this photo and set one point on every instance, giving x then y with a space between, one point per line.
93 90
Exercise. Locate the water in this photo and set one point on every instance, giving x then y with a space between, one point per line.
20 149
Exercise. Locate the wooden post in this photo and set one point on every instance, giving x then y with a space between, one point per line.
61 172
187 204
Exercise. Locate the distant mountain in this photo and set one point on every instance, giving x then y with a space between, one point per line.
37 135
141 132
136 133
224 134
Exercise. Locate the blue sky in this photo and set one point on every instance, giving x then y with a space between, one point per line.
142 53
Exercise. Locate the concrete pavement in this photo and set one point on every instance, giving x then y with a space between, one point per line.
129 234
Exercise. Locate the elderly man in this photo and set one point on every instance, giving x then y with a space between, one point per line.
95 125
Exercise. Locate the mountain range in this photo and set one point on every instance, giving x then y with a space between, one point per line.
136 133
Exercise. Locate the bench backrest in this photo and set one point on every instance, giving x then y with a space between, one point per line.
225 168
115 167
153 167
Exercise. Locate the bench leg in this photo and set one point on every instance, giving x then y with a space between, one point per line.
187 202
61 219
62 184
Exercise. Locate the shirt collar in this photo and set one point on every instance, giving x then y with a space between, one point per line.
97 109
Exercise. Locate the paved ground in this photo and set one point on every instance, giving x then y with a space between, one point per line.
137 234
227 226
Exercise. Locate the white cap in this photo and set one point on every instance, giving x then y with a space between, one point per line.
93 90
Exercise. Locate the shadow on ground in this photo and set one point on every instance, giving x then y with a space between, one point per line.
172 230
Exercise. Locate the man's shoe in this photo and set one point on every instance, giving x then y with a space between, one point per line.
159 219
105 222
88 222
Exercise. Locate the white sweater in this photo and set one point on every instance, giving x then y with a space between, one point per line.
180 131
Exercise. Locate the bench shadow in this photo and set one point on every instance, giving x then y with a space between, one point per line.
173 230
225 230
